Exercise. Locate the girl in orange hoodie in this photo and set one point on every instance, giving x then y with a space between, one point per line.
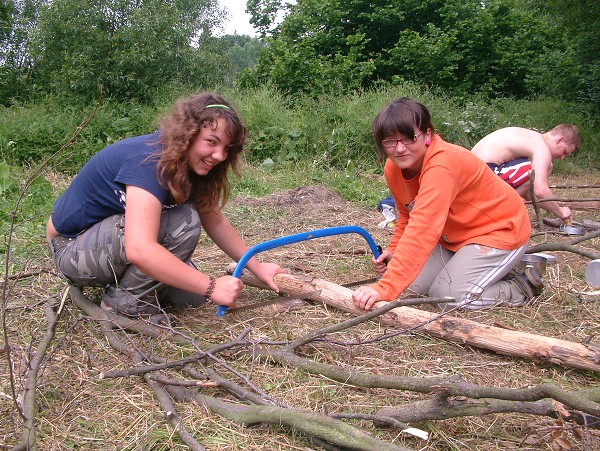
460 228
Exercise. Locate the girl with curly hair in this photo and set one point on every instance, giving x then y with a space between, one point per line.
131 219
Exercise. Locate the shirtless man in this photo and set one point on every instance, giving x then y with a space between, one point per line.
512 152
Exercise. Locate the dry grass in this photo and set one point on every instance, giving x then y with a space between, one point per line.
77 409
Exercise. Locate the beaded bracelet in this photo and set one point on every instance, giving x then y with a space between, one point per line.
211 288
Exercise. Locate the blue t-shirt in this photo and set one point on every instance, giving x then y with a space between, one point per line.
98 191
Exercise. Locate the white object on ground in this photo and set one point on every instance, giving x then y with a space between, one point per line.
592 273
389 213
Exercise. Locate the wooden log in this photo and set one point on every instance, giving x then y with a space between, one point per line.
590 224
591 205
502 341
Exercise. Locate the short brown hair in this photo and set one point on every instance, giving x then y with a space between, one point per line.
400 116
569 132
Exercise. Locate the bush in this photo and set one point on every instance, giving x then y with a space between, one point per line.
331 131
30 133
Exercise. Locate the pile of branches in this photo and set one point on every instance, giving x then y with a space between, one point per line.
448 397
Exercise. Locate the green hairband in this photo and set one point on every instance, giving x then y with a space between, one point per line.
216 105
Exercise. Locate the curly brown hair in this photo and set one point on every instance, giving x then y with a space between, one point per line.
177 132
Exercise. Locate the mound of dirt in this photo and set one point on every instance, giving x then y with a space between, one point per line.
302 198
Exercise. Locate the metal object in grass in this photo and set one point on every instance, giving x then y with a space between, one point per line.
290 239
572 229
536 261
550 259
592 273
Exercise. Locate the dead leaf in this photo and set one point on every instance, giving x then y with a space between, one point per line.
560 408
561 444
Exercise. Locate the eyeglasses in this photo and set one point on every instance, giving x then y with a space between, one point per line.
392 143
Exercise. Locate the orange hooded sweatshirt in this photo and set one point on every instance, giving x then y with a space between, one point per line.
456 200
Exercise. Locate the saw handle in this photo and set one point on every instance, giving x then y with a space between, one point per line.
285 240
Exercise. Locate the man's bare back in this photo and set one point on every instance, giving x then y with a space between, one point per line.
510 143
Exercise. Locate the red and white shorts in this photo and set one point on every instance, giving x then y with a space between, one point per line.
515 172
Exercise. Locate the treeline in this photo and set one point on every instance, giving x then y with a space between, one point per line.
310 85
124 49
131 49
499 48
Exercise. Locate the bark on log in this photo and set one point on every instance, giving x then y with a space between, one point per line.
591 205
590 224
503 341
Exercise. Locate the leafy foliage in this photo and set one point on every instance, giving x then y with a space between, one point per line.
239 52
32 132
581 20
128 48
464 46
263 14
16 19
331 131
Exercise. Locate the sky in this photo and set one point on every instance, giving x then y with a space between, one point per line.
239 21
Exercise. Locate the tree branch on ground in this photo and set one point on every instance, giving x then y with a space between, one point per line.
452 396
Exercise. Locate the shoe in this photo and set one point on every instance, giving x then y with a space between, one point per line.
528 280
178 299
119 300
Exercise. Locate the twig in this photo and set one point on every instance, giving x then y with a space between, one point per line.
574 186
364 318
137 370
26 275
171 414
534 200
442 408
587 236
569 199
310 423
29 393
182 383
381 421
240 392
548 247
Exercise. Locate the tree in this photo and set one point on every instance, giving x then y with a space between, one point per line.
581 22
463 45
263 14
488 48
17 19
240 52
129 48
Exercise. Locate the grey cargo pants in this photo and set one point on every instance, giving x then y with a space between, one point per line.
475 276
97 257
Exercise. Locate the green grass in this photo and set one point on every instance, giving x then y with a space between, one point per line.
364 187
334 131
